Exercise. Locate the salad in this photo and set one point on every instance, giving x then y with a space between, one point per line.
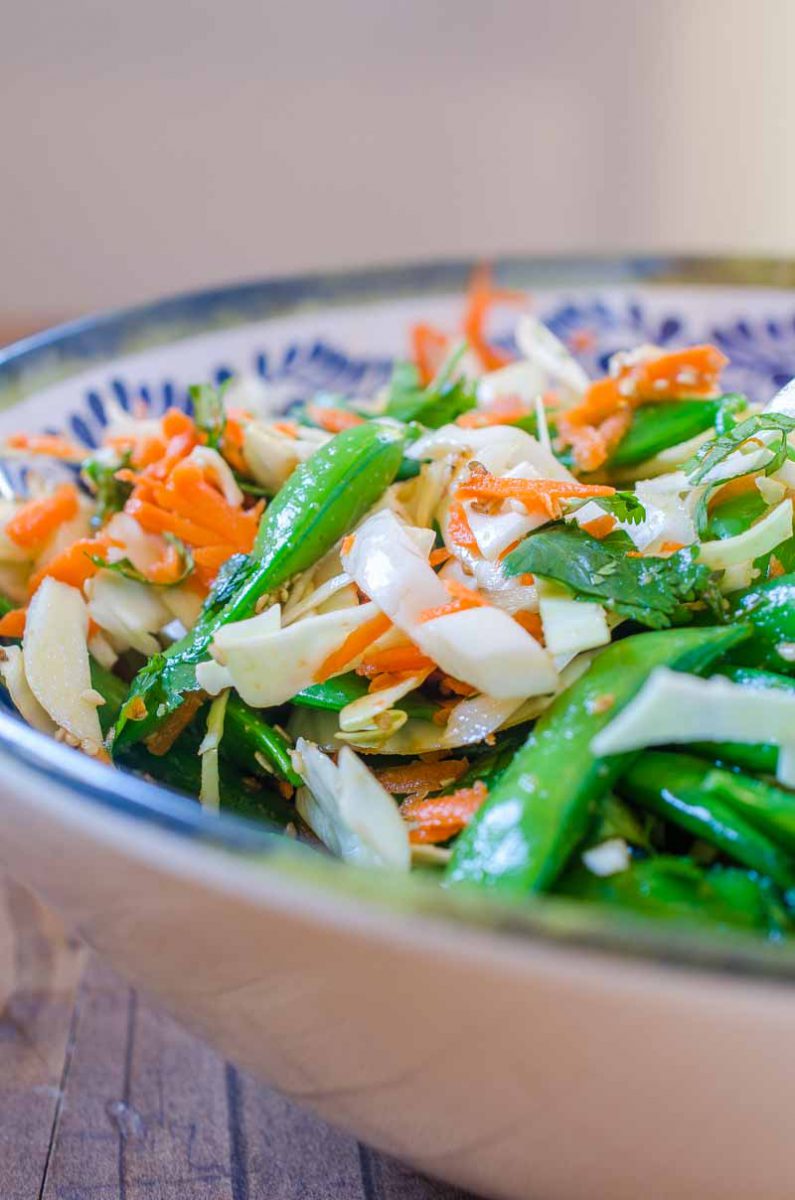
504 624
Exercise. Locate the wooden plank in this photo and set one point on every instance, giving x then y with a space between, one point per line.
39 972
283 1153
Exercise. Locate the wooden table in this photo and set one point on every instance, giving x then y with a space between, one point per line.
103 1097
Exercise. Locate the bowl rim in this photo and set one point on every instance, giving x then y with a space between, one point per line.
68 349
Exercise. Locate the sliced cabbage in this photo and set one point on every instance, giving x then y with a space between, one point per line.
272 456
129 612
483 647
55 652
143 549
519 380
210 791
761 538
317 598
570 626
349 810
183 603
12 672
784 400
546 351
497 447
268 668
68 532
376 710
676 708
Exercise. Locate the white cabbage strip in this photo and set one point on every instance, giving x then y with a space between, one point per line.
773 529
130 612
498 447
269 666
349 810
570 626
210 792
55 654
678 708
484 647
545 350
12 672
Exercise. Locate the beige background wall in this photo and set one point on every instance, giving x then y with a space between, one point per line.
168 143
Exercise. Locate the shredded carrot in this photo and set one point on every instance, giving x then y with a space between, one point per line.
459 530
671 547
481 298
334 420
526 579
438 557
157 520
37 520
419 776
188 494
596 425
393 660
734 487
600 527
175 422
355 644
49 445
168 568
288 428
441 817
775 568
144 450
539 496
73 565
12 625
348 543
462 598
530 621
232 442
429 347
504 412
213 556
457 686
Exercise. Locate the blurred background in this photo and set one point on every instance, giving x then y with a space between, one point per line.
167 144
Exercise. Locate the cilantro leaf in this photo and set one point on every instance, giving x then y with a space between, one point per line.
110 493
624 506
208 411
444 399
652 591
718 449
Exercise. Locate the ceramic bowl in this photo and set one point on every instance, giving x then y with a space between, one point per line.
543 1051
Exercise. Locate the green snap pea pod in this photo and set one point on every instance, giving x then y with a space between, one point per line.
336 694
677 889
522 837
247 735
672 786
657 427
320 502
181 769
769 808
760 757
770 609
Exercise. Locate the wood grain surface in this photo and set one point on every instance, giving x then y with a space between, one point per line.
103 1097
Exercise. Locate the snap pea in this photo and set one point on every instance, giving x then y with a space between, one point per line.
677 889
759 757
770 609
181 769
319 503
522 837
770 808
247 734
336 694
657 427
672 786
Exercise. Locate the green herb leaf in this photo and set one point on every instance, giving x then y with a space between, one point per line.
718 449
208 411
652 591
110 493
123 566
624 506
444 399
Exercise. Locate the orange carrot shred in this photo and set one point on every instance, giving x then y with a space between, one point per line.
394 660
334 420
348 543
441 817
600 527
539 496
481 298
36 520
49 445
429 346
531 622
355 644
419 776
438 557
503 412
12 624
73 565
459 530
